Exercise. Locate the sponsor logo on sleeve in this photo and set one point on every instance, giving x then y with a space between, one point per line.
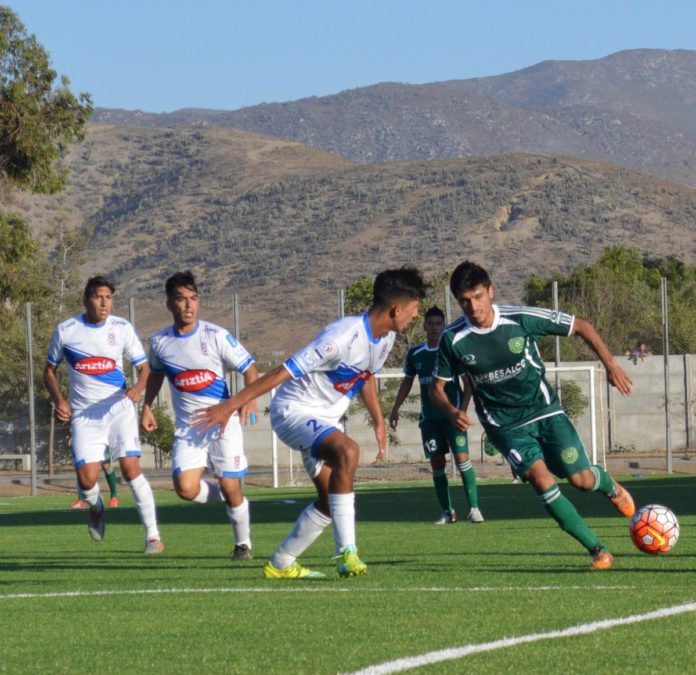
308 358
193 380
231 339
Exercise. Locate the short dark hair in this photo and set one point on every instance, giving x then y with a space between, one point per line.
97 282
468 275
434 311
393 285
180 280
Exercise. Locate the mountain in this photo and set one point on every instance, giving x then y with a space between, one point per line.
636 109
286 226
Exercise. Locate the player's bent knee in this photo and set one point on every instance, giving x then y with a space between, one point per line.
187 492
583 480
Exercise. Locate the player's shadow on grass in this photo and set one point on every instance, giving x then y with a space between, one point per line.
403 504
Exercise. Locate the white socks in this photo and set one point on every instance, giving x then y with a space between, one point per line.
343 517
145 503
239 518
209 492
306 531
91 496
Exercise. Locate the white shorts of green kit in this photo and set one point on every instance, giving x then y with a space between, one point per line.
98 430
224 455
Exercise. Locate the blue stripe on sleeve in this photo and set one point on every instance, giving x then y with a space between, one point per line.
293 367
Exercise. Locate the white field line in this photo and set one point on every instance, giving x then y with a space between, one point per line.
399 665
316 587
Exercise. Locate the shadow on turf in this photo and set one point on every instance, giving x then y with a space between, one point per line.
415 504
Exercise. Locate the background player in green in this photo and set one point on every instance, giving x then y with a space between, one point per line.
495 347
111 479
438 434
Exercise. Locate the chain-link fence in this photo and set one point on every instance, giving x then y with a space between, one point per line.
655 347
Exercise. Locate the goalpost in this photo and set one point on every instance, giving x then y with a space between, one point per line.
283 472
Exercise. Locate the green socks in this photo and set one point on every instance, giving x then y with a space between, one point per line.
466 471
112 481
442 489
603 481
570 521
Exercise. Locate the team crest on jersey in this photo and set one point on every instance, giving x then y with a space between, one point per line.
570 455
193 380
94 365
204 347
111 338
327 348
516 345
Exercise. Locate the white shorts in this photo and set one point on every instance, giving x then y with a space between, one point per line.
303 430
97 432
222 454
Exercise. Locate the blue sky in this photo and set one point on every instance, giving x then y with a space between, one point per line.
162 55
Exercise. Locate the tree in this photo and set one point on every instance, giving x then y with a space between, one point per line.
38 118
620 295
162 438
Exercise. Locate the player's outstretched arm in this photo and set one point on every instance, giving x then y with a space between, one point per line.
154 384
63 411
457 417
615 373
219 414
371 400
401 396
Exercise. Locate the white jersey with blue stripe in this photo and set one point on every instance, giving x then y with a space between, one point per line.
334 367
195 365
94 354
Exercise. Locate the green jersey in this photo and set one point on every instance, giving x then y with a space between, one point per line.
503 363
420 361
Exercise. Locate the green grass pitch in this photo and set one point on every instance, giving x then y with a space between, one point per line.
507 588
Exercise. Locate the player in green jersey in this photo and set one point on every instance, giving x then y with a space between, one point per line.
438 434
495 348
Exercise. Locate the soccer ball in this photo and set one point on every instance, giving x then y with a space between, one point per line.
654 529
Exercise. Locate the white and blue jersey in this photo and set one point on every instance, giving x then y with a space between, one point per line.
334 367
195 365
94 354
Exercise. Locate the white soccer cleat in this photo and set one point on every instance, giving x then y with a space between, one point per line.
475 516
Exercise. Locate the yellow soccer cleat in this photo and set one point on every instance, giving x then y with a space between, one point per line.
349 565
295 571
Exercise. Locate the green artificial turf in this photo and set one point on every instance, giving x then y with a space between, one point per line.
69 604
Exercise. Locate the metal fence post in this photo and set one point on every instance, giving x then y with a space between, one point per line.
30 394
665 342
